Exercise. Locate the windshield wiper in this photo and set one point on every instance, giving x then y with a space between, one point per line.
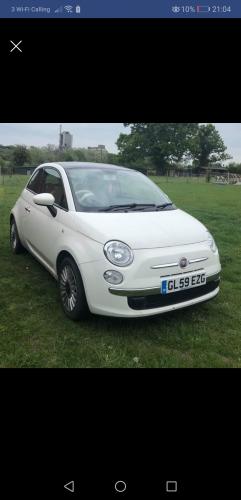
164 205
127 206
137 206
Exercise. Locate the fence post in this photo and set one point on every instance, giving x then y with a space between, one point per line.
2 174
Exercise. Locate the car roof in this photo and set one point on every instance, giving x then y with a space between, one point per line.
84 164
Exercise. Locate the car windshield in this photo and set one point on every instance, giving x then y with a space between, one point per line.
102 189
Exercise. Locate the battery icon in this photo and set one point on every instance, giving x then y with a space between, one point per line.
203 8
77 9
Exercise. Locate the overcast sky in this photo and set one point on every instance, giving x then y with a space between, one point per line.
92 134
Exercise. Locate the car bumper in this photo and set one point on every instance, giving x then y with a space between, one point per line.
140 292
128 302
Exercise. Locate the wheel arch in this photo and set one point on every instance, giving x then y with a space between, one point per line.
66 253
14 216
11 218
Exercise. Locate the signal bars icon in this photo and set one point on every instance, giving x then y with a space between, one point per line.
68 9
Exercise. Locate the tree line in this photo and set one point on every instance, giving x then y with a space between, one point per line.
21 155
166 145
157 146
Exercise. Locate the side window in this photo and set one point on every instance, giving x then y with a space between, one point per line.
35 183
52 183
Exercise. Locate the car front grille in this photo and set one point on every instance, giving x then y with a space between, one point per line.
155 301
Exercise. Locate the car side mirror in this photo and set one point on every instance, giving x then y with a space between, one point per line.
44 199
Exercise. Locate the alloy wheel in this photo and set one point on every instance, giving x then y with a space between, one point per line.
13 236
68 288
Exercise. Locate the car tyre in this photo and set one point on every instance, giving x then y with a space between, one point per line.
71 289
15 242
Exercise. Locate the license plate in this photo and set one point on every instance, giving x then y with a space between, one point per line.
179 283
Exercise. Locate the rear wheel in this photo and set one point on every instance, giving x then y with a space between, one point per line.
71 288
15 242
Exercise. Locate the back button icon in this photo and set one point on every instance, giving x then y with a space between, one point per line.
69 486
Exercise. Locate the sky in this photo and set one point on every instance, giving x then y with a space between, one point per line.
41 134
92 134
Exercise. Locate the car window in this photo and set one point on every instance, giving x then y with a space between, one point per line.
97 188
134 190
52 183
35 183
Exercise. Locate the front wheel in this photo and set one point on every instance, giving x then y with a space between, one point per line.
72 293
15 242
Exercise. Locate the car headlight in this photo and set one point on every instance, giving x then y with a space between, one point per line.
118 253
211 242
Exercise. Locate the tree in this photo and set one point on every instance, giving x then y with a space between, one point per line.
37 155
168 144
207 147
234 168
163 144
68 155
113 159
79 155
20 156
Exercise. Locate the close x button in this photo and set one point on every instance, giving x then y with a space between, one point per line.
15 46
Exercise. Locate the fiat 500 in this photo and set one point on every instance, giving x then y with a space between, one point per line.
115 242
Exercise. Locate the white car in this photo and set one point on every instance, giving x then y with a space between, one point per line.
114 241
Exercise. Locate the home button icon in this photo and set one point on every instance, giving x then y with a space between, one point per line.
120 486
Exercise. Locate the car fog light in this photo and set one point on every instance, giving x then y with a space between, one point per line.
113 277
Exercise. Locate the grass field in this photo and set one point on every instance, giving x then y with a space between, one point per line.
34 331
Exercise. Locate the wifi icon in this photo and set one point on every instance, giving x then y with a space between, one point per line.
69 9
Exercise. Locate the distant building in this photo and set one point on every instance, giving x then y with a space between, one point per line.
100 147
100 151
65 140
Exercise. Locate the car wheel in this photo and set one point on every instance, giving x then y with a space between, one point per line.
72 293
15 242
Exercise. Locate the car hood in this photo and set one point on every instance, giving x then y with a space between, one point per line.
142 229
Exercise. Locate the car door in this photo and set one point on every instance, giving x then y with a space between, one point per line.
43 230
33 187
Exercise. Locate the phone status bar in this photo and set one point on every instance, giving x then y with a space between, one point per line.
118 9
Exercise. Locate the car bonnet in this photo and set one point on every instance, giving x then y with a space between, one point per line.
141 229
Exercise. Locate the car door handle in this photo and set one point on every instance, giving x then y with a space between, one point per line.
27 210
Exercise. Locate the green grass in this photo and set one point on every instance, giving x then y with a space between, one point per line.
34 332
